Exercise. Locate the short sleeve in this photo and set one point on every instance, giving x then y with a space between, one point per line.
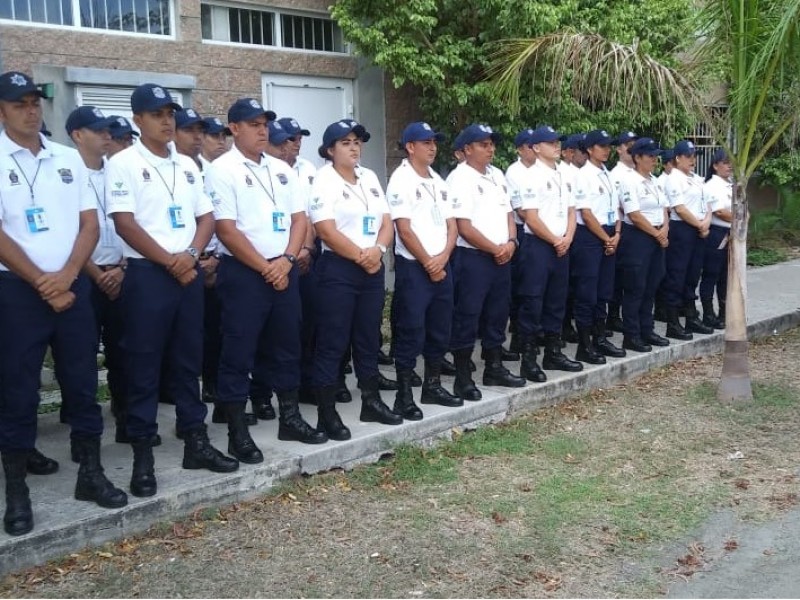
398 194
321 205
119 191
220 191
582 194
462 201
630 197
88 200
674 192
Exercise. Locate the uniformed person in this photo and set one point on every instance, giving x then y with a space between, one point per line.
690 220
487 240
163 217
718 192
190 128
48 229
215 141
594 252
667 165
641 253
261 222
426 236
122 135
549 212
351 217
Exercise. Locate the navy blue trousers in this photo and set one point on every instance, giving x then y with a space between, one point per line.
684 263
715 265
516 277
424 314
544 288
641 262
254 313
110 326
212 336
349 308
593 274
163 324
482 297
27 327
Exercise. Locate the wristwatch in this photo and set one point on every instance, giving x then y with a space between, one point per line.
192 251
382 248
290 257
515 240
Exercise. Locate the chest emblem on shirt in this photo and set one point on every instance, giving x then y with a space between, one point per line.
13 178
283 178
248 181
549 186
569 187
66 175
375 192
600 189
310 179
189 176
419 195
444 196
145 175
345 195
480 190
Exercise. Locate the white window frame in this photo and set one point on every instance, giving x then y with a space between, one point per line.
219 19
77 26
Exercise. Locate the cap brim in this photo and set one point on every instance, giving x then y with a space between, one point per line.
191 122
101 124
16 94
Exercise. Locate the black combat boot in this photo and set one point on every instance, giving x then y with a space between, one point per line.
143 477
693 322
448 368
388 385
240 445
198 453
220 415
674 329
373 409
432 390
384 359
494 373
92 484
464 387
568 333
404 400
416 380
602 344
554 359
39 464
291 425
655 339
18 518
709 318
330 423
587 352
636 343
614 322
530 368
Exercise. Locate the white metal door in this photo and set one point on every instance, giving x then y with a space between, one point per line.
315 102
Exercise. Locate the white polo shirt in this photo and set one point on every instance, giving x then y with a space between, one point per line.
356 209
594 190
621 172
483 199
109 247
687 190
260 197
165 195
41 198
552 197
718 193
520 185
643 194
425 201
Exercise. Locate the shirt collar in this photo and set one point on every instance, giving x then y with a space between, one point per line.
9 146
154 159
239 157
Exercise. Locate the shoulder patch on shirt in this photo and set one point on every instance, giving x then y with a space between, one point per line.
118 192
66 175
316 203
375 192
145 175
189 176
282 178
396 200
13 178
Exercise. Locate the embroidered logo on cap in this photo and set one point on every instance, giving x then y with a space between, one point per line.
159 93
191 113
98 113
255 104
18 79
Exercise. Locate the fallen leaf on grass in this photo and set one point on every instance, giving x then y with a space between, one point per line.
550 582
731 545
498 517
784 501
742 484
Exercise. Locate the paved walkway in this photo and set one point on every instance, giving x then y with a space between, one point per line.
64 524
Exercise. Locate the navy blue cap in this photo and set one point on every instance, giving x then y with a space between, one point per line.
248 108
625 137
44 130
150 97
544 133
646 146
214 125
89 117
277 134
720 156
668 155
458 142
419 132
188 117
574 141
478 133
120 127
336 131
523 138
14 85
293 127
598 137
685 148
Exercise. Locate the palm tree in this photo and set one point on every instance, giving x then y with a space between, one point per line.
754 48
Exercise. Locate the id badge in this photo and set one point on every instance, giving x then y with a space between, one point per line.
37 219
278 221
176 217
436 214
611 218
369 225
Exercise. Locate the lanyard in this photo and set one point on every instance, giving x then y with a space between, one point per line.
100 202
653 189
609 188
432 194
164 181
271 195
360 195
25 176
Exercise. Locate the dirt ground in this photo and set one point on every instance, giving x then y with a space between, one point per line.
602 496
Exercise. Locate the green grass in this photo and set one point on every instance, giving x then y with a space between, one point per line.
762 257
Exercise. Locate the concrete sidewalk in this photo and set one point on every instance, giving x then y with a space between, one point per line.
63 524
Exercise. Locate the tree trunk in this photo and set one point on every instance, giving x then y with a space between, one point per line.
735 383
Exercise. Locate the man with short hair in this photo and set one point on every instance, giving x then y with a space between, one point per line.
215 141
162 215
122 135
48 229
